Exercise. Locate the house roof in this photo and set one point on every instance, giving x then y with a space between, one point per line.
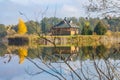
65 24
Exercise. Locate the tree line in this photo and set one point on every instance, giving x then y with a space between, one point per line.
87 26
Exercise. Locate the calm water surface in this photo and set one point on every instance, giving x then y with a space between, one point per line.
98 62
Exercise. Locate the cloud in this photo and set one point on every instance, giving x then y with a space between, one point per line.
67 9
71 11
25 2
64 8
41 2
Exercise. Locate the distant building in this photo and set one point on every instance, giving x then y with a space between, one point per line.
65 28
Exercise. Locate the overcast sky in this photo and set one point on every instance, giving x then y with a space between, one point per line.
33 9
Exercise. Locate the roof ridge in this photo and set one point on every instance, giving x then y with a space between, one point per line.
67 22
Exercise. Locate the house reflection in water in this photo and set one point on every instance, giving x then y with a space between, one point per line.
59 53
66 50
62 53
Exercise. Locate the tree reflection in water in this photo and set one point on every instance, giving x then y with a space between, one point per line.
22 52
74 63
87 63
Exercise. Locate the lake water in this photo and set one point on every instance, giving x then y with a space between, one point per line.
98 62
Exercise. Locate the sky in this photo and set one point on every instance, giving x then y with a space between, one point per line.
36 9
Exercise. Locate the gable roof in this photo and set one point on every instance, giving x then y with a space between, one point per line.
65 24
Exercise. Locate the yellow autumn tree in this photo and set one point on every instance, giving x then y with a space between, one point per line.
22 29
22 54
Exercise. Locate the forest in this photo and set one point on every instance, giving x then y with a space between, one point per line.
87 26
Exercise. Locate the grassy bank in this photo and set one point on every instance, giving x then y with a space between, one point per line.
83 40
71 40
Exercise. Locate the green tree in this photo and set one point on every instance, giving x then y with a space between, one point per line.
113 23
93 22
3 49
2 30
74 19
33 27
47 23
86 29
2 27
100 28
43 25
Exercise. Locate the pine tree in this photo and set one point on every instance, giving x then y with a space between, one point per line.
100 28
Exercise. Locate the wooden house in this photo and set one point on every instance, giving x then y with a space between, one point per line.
65 28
